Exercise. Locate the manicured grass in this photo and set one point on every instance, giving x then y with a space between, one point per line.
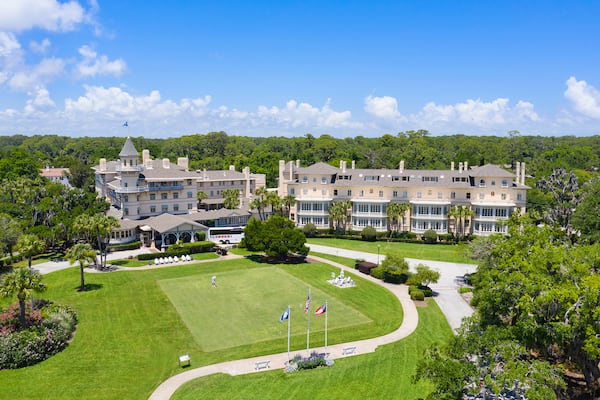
385 374
436 252
127 262
262 293
130 334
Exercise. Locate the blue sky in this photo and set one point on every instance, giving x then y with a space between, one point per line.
288 68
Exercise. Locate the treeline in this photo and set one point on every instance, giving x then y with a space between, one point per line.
217 150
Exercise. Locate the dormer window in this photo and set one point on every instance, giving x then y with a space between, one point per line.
323 180
482 183
305 179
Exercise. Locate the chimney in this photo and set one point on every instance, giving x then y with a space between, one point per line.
466 166
166 163
460 167
522 173
145 155
297 163
353 164
518 172
232 167
182 162
246 172
452 166
344 167
103 164
204 175
341 164
401 167
291 172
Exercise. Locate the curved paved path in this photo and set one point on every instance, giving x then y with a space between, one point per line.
278 361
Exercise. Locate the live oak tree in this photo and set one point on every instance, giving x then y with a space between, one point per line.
277 237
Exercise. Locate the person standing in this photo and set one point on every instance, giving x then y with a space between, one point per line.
214 281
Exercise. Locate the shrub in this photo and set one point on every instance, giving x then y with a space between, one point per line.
315 360
310 230
126 246
50 334
394 276
463 289
446 237
430 236
179 250
200 236
417 295
377 272
358 261
368 234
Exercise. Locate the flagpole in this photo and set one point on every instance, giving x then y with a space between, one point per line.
289 318
308 327
326 314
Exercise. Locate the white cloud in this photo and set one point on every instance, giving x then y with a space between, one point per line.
93 65
585 98
40 100
297 115
11 55
52 15
382 107
497 113
32 77
40 47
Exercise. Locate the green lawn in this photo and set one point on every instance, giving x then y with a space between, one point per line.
436 252
130 334
385 374
263 293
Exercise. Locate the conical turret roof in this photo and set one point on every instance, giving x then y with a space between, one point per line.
128 149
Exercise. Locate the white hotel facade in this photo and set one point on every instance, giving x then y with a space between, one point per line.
493 193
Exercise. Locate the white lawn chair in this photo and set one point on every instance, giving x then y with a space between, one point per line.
175 259
156 261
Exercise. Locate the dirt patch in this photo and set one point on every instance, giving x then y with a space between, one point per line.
420 303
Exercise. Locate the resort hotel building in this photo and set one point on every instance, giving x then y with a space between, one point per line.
489 191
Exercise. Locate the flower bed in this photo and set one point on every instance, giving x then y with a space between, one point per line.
49 329
315 360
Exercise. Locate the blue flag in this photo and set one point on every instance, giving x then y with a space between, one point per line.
125 123
285 315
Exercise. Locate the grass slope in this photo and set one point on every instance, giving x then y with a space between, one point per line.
129 334
385 374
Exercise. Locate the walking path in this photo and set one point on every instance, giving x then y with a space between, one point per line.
278 361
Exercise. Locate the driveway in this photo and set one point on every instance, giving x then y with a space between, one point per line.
452 304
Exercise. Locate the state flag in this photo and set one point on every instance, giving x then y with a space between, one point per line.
321 310
285 315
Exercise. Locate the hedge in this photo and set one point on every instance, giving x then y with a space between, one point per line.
126 246
179 250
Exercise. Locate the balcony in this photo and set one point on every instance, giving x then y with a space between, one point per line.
166 187
136 189
129 168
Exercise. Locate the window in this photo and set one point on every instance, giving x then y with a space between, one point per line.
305 179
482 183
429 192
419 195
519 197
189 182
493 183
371 191
362 193
189 195
395 193
164 196
404 194
468 195
125 198
503 196
292 191
175 207
504 183
126 211
335 192
323 180
314 180
164 208
501 212
439 195
452 195
481 196
349 192
492 194
381 193
152 209
175 195
152 196
190 206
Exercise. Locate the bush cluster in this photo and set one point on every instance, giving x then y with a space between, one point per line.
425 290
126 246
51 327
315 360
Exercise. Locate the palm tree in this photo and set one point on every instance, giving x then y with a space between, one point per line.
81 252
96 228
29 245
201 196
338 214
395 214
288 202
22 281
231 198
275 202
260 202
460 213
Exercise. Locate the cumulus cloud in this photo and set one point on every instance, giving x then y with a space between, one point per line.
11 55
295 115
477 113
39 100
31 77
52 15
382 107
584 97
93 65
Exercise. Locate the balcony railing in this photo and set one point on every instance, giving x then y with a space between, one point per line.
168 187
135 189
129 168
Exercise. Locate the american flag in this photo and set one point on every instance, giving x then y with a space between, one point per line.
307 304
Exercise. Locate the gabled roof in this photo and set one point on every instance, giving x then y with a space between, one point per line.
166 222
319 168
128 149
490 170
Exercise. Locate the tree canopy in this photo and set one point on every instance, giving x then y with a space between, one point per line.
277 237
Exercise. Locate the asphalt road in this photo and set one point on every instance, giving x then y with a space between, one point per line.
452 304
